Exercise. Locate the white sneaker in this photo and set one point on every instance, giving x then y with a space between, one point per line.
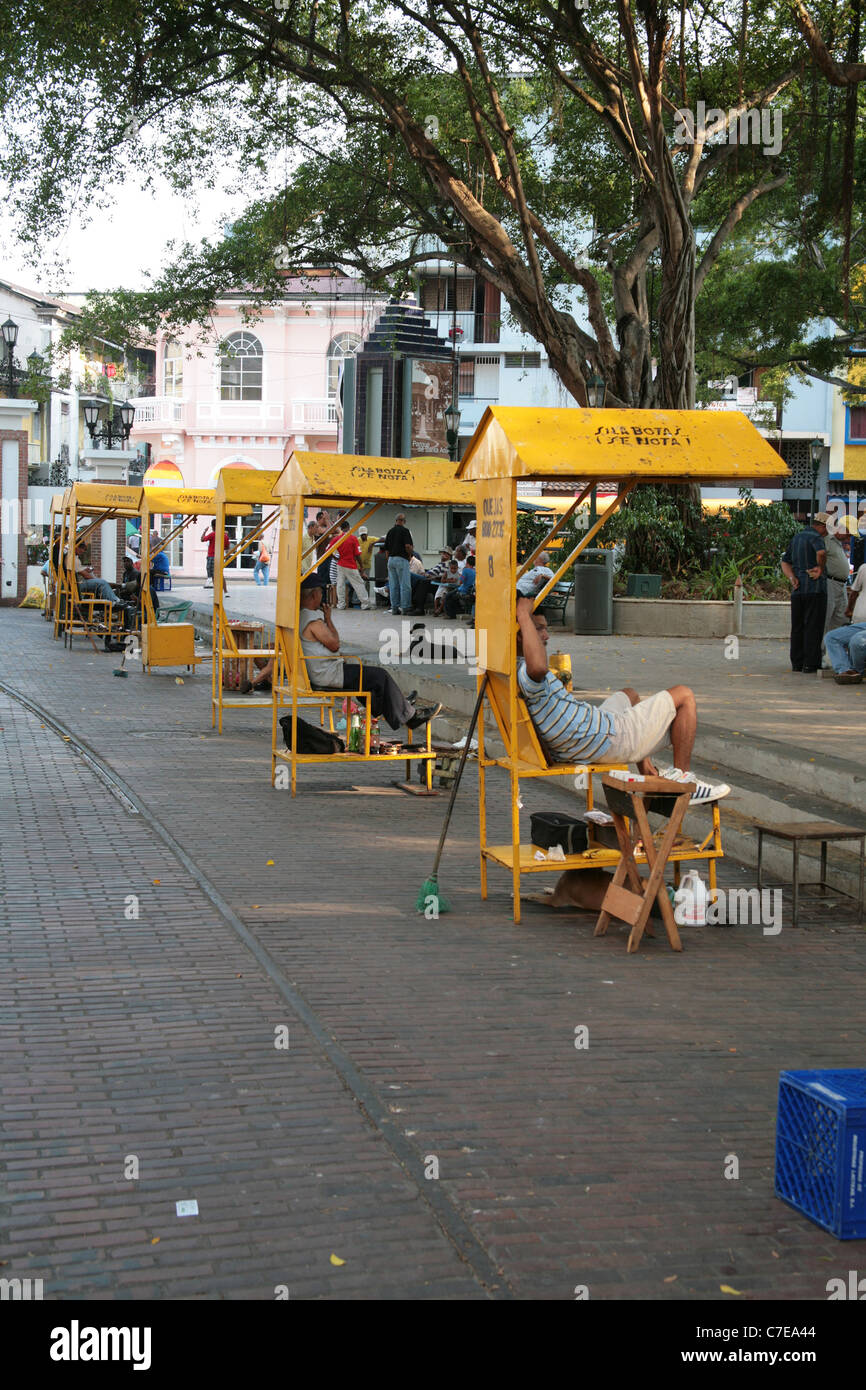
703 792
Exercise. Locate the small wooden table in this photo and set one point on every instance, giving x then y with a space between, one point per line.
247 638
799 832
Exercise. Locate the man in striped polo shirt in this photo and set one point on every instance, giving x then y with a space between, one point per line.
624 729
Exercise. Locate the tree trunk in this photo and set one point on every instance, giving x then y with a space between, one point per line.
676 384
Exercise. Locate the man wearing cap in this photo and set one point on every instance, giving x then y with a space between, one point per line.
326 669
838 572
468 541
399 549
804 563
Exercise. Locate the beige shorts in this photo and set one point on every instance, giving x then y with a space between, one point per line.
640 730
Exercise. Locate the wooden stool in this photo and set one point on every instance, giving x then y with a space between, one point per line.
634 904
797 832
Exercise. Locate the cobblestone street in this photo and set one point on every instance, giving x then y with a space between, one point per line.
154 957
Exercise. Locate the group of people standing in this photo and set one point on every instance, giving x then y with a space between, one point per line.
828 607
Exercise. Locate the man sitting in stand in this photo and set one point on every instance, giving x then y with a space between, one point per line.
88 583
320 644
461 599
623 729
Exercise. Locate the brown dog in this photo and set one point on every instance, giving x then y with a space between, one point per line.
584 889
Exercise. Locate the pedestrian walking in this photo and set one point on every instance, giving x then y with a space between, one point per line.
348 573
804 563
262 567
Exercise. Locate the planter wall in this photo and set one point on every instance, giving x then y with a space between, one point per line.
647 617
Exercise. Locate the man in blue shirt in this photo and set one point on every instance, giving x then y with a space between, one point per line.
804 564
624 729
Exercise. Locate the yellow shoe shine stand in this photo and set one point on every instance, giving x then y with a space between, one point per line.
359 485
238 490
537 445
74 518
170 644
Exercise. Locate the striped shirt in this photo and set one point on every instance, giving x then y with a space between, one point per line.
572 730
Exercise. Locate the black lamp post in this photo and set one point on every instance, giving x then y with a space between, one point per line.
108 431
10 338
596 391
452 429
816 448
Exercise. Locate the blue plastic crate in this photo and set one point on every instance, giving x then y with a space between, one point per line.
821 1148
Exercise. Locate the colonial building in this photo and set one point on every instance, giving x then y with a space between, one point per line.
243 393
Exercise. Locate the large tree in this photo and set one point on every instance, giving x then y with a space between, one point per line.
539 142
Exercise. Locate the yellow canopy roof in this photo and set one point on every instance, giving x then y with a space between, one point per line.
414 481
659 445
183 502
252 485
93 497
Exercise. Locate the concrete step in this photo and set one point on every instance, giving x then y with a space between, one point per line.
785 763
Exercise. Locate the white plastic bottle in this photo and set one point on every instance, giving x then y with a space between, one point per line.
690 901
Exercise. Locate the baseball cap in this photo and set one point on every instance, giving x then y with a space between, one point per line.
312 581
471 526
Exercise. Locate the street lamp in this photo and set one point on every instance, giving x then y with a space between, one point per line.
108 432
596 390
10 338
452 429
816 448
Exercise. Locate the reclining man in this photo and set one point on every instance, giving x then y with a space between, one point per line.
320 644
624 729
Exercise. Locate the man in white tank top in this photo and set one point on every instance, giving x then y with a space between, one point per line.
320 644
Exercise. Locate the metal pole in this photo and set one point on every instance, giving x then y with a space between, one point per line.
452 450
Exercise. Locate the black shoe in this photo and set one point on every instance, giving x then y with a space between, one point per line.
798 670
396 612
810 670
423 716
410 699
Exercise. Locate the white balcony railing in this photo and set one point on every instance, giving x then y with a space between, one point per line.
157 410
239 416
320 415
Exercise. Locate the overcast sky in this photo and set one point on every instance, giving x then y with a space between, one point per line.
118 246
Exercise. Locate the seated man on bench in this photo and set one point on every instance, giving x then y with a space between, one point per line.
623 729
320 644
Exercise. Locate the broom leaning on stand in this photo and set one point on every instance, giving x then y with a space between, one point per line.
430 888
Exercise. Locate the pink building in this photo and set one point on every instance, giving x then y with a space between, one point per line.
248 393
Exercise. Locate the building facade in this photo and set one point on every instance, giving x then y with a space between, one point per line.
243 393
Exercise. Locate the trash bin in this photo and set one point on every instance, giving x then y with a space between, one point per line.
593 592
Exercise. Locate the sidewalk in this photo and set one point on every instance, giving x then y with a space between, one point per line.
410 1040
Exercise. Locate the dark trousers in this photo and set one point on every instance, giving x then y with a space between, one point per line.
421 587
387 699
458 603
807 630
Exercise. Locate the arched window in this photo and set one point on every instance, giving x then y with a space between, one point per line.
241 368
172 370
344 345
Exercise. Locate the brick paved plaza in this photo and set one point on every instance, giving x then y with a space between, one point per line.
412 1044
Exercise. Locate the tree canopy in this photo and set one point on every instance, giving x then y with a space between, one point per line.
691 179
